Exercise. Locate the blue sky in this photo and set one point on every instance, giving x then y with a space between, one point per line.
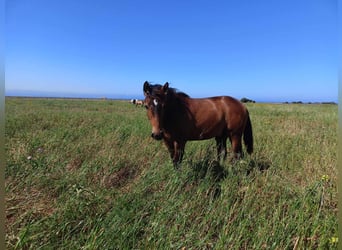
264 50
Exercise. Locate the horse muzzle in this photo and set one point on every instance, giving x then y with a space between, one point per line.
157 136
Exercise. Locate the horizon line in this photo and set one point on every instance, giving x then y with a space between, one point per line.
128 97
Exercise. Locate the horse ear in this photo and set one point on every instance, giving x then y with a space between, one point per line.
146 88
165 87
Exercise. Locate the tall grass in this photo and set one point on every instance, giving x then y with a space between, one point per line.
85 174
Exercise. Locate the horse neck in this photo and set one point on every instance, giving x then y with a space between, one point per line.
176 109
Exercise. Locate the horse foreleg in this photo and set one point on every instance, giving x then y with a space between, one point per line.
170 147
178 154
176 150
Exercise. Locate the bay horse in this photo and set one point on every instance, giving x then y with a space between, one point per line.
176 118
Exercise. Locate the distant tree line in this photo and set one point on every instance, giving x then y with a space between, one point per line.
245 100
300 102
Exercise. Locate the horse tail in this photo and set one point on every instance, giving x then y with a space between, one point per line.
248 135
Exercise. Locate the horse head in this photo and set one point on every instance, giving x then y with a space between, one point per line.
155 100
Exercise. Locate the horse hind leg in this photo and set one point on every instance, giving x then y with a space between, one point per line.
221 146
237 146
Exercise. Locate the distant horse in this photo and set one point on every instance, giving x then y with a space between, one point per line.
176 118
139 103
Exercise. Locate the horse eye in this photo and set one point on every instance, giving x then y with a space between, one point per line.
155 102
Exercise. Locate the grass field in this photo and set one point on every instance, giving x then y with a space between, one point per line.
85 174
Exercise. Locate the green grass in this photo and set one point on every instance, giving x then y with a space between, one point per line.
85 174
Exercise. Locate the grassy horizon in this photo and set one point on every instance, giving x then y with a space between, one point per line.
86 174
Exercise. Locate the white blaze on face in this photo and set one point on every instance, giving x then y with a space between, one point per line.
155 124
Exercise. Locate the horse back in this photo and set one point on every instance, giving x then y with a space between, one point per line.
219 106
214 115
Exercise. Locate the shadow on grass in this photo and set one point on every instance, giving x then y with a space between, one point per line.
216 172
210 170
261 165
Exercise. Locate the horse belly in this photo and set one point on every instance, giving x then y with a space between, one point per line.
207 131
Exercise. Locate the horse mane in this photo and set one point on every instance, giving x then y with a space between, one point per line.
171 92
177 93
